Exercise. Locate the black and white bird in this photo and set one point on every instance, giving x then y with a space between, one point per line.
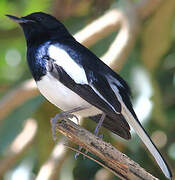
75 80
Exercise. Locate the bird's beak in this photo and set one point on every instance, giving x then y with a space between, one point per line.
19 20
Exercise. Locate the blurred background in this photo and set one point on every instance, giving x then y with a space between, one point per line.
134 37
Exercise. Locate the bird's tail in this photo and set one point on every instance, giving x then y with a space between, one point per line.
134 122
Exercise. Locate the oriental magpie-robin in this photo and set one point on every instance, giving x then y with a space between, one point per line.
72 78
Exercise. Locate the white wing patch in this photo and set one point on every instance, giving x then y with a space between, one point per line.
62 58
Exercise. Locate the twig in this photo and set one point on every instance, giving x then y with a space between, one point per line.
21 143
51 168
118 162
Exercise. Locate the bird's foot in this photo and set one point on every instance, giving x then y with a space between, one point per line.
60 116
64 115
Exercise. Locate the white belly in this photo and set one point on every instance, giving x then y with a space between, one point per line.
62 97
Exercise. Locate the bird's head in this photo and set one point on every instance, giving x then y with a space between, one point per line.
41 26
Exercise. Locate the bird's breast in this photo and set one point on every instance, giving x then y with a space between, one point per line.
64 98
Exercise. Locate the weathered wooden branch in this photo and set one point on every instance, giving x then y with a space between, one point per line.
114 160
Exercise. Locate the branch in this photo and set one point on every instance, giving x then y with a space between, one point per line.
117 162
20 144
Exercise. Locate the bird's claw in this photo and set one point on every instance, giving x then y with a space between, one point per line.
60 116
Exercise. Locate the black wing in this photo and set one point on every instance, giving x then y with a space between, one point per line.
114 121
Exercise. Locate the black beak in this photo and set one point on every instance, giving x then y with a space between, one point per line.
19 20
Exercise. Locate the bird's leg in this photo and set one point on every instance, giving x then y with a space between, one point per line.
64 115
99 125
98 128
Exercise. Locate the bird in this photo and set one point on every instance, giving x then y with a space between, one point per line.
75 80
